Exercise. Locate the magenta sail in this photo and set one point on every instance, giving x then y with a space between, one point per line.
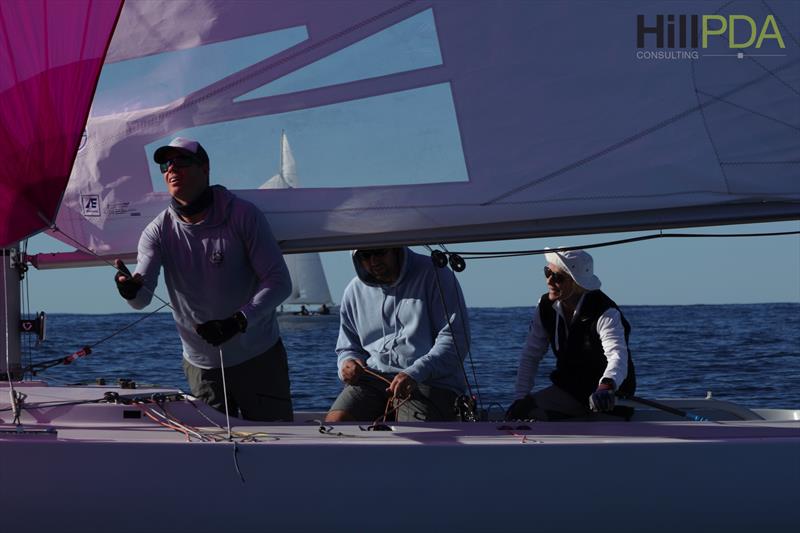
51 54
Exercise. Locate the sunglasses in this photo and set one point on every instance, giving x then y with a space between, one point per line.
366 254
181 161
558 277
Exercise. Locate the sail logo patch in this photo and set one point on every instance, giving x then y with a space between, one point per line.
90 205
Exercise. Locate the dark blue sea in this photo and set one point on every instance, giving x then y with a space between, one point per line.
742 353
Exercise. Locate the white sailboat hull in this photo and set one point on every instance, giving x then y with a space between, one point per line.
101 471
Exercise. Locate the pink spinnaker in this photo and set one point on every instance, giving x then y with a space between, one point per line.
51 53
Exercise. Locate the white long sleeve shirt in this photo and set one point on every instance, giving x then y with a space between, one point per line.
612 338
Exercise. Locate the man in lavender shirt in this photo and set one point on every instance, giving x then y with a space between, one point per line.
225 276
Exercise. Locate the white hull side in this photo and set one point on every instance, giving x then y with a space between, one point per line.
103 471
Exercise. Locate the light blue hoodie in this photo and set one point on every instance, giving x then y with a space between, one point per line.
403 327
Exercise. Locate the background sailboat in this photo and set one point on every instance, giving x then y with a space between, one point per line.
309 285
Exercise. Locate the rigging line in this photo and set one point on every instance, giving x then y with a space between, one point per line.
228 416
42 405
27 309
54 227
44 365
148 315
12 393
515 253
462 314
452 332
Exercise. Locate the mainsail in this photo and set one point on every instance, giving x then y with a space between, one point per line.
597 137
309 285
50 58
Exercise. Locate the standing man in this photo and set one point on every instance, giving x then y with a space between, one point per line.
403 338
589 337
225 276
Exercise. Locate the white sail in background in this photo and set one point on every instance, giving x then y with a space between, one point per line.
309 285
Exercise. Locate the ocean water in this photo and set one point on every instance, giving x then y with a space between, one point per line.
748 354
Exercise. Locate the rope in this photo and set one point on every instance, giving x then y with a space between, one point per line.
455 341
228 417
516 253
35 368
54 227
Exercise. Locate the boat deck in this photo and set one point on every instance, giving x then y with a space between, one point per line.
112 414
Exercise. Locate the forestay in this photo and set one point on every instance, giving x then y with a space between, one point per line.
562 124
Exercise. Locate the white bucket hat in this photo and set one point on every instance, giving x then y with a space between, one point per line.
578 264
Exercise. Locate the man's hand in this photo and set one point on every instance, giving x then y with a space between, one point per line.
128 285
401 386
216 332
602 400
521 408
352 370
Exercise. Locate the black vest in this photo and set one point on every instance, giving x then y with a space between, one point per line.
580 360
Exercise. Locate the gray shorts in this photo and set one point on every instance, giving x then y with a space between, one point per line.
258 389
366 402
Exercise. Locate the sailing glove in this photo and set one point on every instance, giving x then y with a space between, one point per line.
602 401
128 288
216 332
521 409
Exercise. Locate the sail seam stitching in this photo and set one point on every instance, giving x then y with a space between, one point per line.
631 139
752 111
707 128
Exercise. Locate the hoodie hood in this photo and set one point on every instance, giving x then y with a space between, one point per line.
218 212
368 279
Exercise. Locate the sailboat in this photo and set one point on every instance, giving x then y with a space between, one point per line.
563 128
309 285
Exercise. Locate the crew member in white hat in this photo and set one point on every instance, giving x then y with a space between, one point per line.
589 337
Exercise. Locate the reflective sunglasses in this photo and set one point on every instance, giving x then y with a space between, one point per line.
180 161
558 277
366 254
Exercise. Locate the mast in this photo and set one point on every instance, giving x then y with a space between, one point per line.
10 361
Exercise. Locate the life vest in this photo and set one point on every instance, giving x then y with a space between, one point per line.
580 359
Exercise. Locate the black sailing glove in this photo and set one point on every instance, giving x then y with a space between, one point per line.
129 287
602 401
521 409
216 332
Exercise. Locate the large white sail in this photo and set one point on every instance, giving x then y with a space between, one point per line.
598 137
309 285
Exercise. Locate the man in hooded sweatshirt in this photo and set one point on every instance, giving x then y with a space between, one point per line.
588 335
225 276
403 337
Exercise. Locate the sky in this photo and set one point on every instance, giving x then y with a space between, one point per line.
657 272
409 137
